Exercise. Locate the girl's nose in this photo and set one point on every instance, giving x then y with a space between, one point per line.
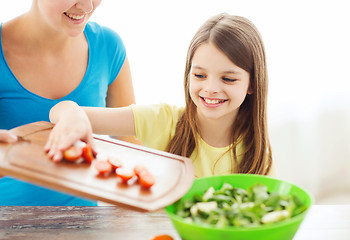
86 5
211 85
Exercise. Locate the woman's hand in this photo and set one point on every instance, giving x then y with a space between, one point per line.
7 137
71 124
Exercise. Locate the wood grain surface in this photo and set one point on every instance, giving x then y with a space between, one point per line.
98 223
323 222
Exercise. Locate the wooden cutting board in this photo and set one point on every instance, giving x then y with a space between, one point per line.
27 160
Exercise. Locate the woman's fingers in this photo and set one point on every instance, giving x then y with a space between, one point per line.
6 136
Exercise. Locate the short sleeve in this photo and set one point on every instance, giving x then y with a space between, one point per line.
155 124
107 48
116 50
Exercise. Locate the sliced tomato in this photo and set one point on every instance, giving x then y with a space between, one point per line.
124 174
87 153
73 153
162 237
114 161
146 179
103 167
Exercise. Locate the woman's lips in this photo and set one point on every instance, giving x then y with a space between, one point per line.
76 18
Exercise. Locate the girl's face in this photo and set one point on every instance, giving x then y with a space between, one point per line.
67 16
217 86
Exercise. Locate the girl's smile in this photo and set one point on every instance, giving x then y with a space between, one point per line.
212 102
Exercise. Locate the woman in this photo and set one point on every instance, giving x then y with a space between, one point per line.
50 54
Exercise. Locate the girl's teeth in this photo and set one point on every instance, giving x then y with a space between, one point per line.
214 101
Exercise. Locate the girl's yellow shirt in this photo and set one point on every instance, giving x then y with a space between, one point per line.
155 126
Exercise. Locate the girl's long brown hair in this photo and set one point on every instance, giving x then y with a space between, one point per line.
241 42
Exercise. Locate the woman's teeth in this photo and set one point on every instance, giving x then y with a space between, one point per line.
74 17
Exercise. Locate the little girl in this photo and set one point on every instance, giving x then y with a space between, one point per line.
223 126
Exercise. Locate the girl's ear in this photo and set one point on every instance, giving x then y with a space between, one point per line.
250 90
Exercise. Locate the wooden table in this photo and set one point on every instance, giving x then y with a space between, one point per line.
322 222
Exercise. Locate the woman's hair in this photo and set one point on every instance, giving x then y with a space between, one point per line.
241 42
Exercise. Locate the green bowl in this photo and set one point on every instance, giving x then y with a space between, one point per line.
282 230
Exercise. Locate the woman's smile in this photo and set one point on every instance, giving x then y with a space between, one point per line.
76 18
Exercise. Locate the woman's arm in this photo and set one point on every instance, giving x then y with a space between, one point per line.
73 123
121 92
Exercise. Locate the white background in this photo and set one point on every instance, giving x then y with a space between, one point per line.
308 48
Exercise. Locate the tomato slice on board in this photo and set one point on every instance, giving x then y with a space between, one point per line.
146 179
124 174
103 167
87 153
72 154
114 162
162 237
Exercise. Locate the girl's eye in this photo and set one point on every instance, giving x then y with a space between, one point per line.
199 75
229 79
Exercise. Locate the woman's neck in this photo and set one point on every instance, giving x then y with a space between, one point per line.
36 34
